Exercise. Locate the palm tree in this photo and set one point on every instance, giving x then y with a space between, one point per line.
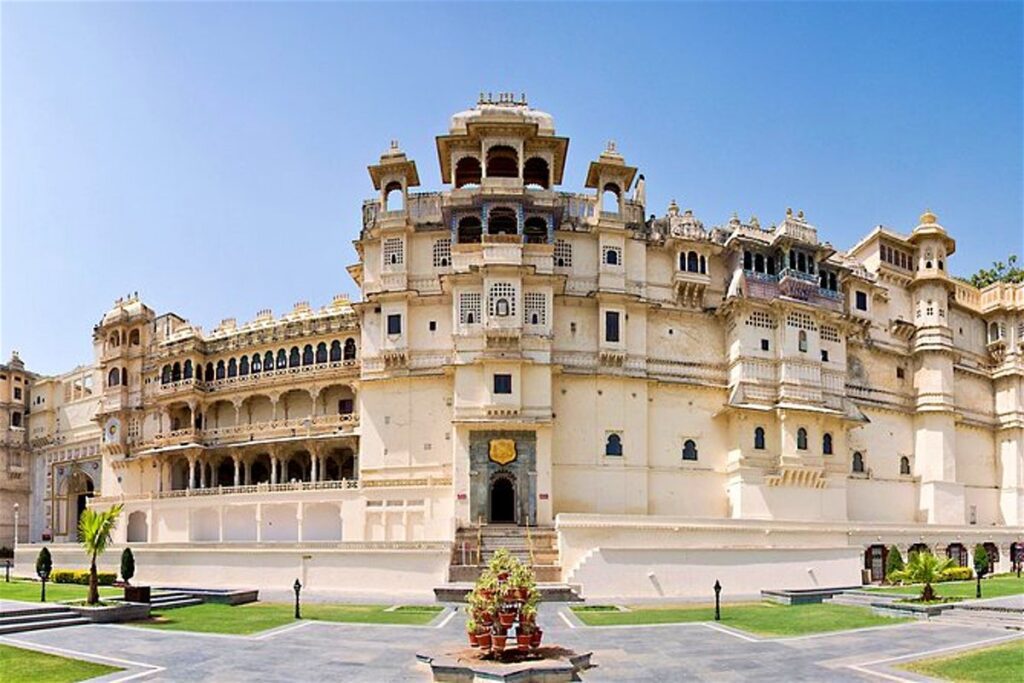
94 529
924 568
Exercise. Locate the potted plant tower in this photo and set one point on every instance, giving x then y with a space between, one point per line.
504 600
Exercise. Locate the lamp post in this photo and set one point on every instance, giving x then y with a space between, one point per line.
718 594
17 508
297 587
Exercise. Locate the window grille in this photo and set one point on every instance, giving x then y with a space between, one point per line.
535 308
469 308
394 254
762 319
443 253
501 291
802 321
829 334
563 254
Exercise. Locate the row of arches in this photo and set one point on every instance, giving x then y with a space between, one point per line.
255 409
131 338
613 447
300 465
502 220
502 161
858 466
876 555
117 377
692 262
336 352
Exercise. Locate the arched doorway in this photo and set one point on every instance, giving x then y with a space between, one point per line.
81 490
503 501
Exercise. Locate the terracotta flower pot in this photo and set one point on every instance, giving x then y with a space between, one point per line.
535 638
483 640
507 618
502 576
524 640
486 593
524 594
486 618
473 640
498 642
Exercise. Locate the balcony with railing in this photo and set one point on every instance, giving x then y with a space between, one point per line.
314 426
261 379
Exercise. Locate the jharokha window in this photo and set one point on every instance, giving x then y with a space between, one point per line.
613 445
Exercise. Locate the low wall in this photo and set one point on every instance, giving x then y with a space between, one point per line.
411 570
691 572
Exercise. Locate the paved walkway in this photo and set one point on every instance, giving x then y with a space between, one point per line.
321 651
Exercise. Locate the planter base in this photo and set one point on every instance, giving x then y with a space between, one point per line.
549 664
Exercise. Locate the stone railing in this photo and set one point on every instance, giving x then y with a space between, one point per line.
797 231
266 377
297 427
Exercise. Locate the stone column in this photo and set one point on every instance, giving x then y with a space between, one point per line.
202 474
238 470
298 520
273 469
314 465
191 473
259 522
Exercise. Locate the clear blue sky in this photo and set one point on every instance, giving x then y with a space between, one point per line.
213 156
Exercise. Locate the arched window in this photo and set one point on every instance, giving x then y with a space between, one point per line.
307 354
792 260
502 221
703 264
689 450
294 359
858 462
176 371
124 377
469 230
802 341
801 262
759 263
467 171
904 465
350 349
209 372
771 265
801 439
501 307
759 438
611 257
535 172
613 445
610 198
535 230
243 366
282 359
692 262
335 351
232 368
748 261
502 162
826 444
134 338
114 377
321 353
993 332
187 371
268 361
941 265
115 339
257 364
221 370
394 198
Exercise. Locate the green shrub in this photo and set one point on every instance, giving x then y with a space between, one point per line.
981 560
957 574
81 576
893 563
127 565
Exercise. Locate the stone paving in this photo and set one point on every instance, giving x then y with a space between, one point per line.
321 651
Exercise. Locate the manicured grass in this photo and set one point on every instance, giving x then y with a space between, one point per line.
763 618
28 666
260 616
28 591
998 663
996 586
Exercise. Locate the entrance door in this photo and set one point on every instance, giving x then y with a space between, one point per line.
503 501
874 561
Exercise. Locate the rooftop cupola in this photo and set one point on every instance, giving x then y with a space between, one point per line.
502 143
393 175
612 178
933 244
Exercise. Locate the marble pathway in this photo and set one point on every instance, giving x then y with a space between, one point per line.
321 651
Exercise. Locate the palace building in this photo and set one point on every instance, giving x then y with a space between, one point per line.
637 404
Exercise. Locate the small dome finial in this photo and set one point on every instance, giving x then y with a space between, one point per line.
929 218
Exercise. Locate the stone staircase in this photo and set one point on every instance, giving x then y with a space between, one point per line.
172 599
971 615
38 618
864 598
474 547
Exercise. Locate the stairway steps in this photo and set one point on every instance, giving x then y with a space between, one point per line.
172 604
22 618
40 625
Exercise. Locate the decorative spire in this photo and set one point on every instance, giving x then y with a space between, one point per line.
929 218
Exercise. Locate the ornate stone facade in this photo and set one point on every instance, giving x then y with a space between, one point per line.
651 375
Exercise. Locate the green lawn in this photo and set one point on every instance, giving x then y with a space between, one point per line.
27 666
765 618
993 587
260 616
28 591
998 663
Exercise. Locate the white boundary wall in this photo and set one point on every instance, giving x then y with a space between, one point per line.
411 571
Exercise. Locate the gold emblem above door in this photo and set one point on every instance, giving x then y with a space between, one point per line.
503 451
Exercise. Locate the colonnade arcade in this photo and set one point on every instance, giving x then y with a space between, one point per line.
305 460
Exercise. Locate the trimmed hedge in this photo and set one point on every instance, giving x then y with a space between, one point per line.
958 574
81 576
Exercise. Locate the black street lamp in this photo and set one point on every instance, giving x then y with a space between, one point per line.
297 587
7 571
718 594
